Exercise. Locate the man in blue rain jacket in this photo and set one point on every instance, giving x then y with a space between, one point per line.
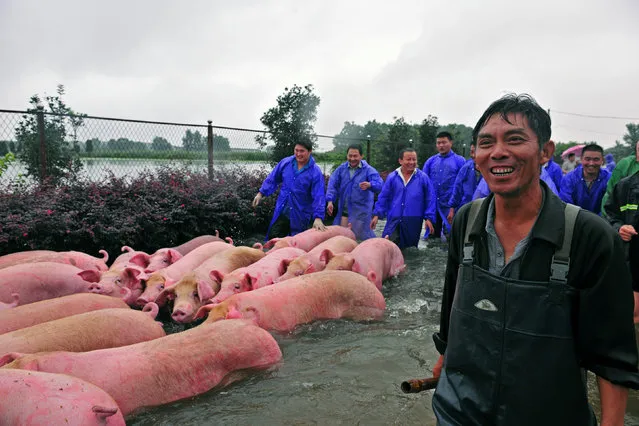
407 199
586 185
301 199
442 169
555 172
353 186
465 185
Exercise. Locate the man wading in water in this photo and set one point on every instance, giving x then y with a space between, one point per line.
536 291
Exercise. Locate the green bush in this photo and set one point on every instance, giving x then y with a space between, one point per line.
157 209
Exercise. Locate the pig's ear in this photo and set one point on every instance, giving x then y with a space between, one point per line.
204 291
258 246
250 281
216 276
284 266
309 269
173 256
90 275
140 259
166 294
132 273
326 256
10 357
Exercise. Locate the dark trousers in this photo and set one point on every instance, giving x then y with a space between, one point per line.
281 228
438 225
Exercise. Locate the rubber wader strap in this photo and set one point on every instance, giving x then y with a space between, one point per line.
472 216
561 259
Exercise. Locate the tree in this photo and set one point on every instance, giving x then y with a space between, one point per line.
632 135
220 143
160 144
291 121
427 137
350 133
88 146
399 135
61 160
194 141
4 148
12 146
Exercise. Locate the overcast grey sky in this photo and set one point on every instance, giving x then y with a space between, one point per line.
228 61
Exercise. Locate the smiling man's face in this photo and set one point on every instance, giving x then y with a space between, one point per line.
508 155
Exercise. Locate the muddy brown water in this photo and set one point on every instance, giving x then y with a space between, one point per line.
343 372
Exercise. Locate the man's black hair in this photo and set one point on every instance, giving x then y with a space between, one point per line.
306 144
592 147
407 149
355 146
538 118
444 135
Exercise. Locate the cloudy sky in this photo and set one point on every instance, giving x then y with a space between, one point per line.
228 61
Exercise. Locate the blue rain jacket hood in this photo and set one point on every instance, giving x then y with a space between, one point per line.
344 190
304 192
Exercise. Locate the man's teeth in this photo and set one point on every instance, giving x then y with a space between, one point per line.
502 171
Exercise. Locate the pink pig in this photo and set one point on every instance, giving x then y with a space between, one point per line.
202 284
106 328
33 282
311 262
310 238
196 242
167 369
120 281
322 295
73 258
260 274
375 258
36 398
52 309
169 276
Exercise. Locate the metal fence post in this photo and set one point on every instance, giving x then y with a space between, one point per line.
368 149
209 143
42 138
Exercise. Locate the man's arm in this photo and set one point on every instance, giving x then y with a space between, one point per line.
565 191
613 402
317 192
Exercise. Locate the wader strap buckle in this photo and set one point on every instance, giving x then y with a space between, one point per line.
559 270
469 250
468 254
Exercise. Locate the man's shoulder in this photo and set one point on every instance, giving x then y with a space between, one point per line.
592 230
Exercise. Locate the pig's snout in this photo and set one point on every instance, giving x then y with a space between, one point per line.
142 301
181 316
96 288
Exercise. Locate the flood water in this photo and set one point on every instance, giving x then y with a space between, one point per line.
343 372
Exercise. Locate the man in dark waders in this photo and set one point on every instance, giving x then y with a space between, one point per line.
536 292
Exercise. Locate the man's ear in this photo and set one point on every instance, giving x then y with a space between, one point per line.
547 151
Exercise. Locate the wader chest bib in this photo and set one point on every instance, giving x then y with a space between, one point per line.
511 356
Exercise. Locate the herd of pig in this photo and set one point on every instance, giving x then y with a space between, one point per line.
73 352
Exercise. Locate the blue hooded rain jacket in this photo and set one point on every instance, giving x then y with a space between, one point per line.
344 190
442 171
406 207
574 189
465 185
302 193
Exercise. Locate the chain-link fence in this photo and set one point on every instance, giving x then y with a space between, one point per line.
49 145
